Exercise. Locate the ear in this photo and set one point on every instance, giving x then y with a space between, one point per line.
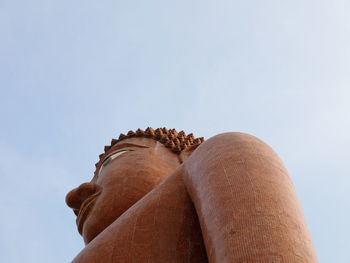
187 152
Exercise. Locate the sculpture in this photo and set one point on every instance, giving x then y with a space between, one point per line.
163 196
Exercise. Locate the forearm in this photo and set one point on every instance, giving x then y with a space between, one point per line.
246 203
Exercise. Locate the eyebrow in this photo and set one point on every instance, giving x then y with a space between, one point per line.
121 146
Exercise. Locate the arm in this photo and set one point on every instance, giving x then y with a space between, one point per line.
245 202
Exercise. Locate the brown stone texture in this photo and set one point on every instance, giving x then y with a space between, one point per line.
230 199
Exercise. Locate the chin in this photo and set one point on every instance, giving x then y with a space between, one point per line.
100 217
92 228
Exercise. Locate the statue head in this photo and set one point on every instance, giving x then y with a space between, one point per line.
128 169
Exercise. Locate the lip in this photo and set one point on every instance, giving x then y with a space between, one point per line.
85 209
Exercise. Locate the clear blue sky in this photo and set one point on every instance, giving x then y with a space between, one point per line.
74 74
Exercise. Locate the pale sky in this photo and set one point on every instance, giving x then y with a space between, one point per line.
74 74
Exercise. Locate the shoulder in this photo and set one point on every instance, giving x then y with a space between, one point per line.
229 138
229 149
231 142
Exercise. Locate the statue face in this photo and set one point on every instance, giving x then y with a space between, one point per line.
133 168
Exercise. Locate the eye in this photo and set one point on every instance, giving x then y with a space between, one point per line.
113 156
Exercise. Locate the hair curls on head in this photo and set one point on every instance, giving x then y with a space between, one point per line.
175 141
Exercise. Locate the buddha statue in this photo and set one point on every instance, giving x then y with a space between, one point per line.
166 197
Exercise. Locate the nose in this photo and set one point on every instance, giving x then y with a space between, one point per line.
78 195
